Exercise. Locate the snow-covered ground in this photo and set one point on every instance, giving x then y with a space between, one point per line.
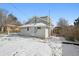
14 45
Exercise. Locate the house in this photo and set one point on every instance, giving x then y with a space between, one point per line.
37 27
9 26
12 28
57 31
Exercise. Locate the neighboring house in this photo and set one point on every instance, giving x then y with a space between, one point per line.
57 31
37 27
10 28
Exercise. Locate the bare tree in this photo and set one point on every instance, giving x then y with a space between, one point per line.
3 17
62 22
12 20
6 18
76 29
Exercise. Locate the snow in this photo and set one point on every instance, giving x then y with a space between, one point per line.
34 25
23 47
13 45
56 46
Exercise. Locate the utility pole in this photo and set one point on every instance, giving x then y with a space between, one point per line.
2 27
49 24
35 20
35 23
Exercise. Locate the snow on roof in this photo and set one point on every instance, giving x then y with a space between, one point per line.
28 25
40 24
35 25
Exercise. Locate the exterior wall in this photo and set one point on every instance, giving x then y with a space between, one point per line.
41 33
25 32
46 33
12 29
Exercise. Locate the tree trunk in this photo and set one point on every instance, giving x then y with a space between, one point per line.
2 29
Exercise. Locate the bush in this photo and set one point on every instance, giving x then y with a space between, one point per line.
76 33
71 33
70 38
68 33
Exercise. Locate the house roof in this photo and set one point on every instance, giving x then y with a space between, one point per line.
35 25
36 19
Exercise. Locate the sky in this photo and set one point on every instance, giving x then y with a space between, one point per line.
24 11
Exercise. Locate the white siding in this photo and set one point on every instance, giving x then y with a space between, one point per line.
46 33
41 33
25 32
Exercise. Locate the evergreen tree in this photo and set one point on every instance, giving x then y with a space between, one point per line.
76 23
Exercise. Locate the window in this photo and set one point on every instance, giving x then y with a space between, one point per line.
27 28
38 27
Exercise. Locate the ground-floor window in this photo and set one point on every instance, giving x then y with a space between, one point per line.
38 27
27 28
